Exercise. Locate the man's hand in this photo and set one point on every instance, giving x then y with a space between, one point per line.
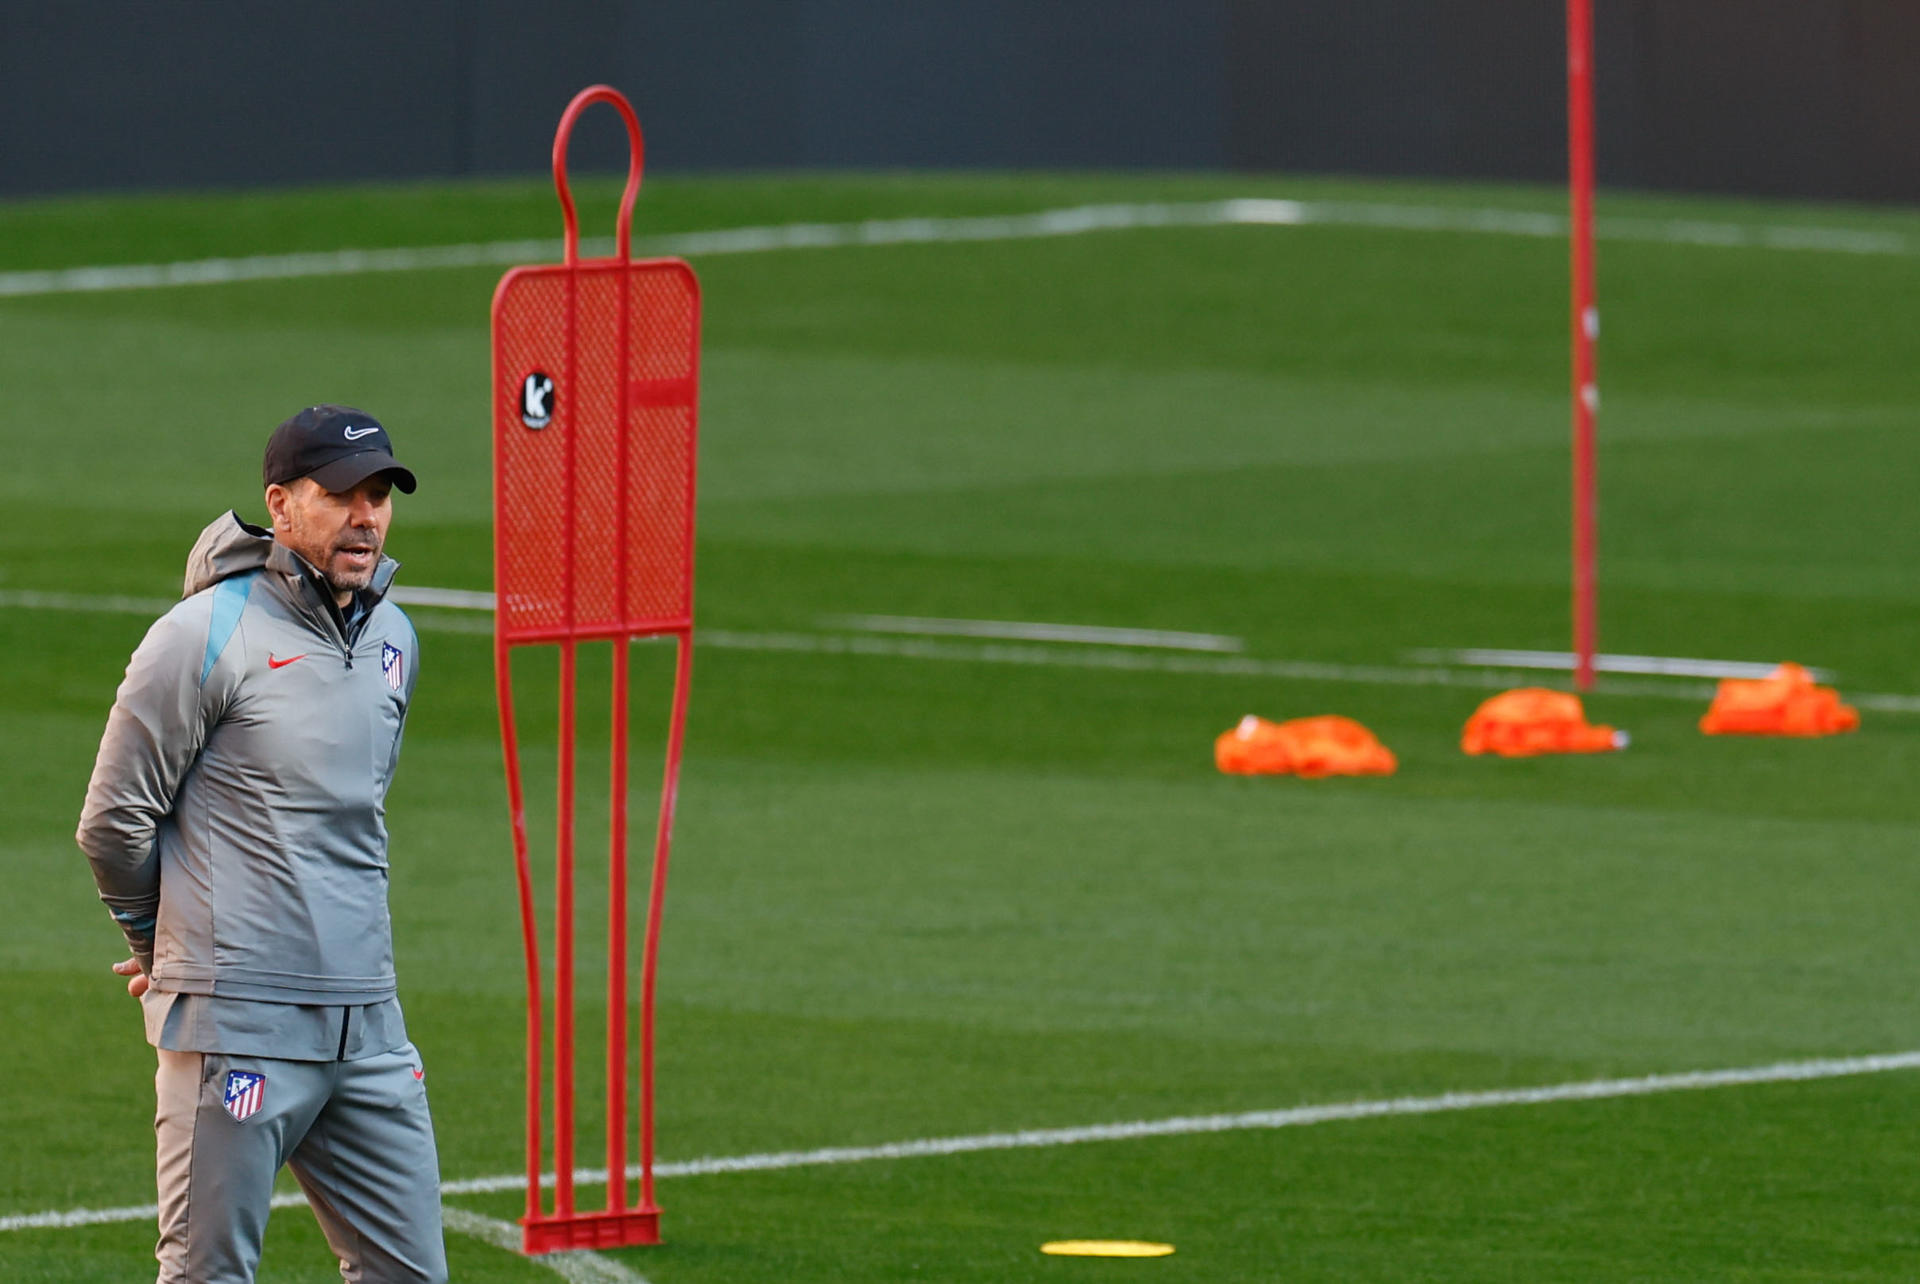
136 979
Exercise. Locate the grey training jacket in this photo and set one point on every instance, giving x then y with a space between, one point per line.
236 819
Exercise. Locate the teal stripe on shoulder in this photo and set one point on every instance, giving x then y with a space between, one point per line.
229 600
413 634
413 644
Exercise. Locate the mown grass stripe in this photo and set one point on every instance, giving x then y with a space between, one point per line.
1069 221
1177 1126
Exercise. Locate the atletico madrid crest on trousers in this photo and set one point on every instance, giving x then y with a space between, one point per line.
246 1093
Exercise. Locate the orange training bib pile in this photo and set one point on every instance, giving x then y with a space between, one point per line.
1787 703
1535 720
1310 747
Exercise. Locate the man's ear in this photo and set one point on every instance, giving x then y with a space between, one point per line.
277 497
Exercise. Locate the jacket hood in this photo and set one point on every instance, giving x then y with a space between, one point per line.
229 546
225 548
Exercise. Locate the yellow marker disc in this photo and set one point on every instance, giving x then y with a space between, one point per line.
1105 1248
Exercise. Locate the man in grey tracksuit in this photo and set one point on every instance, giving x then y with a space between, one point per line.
236 828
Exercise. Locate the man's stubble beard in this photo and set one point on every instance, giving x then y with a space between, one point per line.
320 556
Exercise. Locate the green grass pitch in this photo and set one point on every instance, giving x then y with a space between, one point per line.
919 897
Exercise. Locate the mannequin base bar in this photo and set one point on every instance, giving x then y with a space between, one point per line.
553 1234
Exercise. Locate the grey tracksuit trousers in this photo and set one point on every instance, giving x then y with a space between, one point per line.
355 1133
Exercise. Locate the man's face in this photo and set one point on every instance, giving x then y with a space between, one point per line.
339 532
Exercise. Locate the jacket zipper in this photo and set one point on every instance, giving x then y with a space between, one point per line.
328 624
317 605
339 631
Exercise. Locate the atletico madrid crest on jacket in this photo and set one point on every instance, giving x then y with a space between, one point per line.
393 663
246 1093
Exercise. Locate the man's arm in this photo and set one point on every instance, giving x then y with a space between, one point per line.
160 719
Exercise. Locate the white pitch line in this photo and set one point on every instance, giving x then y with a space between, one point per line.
74 1218
1304 1116
122 604
283 267
576 1267
1027 631
453 599
1065 221
1121 660
103 604
1036 656
1661 665
1134 1130
1477 679
1206 666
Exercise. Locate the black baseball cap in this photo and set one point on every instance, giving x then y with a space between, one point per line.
338 446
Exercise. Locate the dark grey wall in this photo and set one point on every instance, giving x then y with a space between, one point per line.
1765 96
1773 97
143 93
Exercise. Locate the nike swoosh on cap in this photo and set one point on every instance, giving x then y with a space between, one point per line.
355 434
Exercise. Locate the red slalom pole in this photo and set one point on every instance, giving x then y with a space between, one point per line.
650 958
1586 332
517 814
